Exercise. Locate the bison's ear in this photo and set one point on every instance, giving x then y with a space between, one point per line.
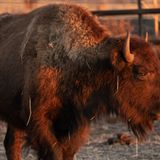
117 60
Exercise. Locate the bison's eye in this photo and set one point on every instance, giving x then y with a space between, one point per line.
140 73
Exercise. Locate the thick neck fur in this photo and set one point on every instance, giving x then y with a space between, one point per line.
87 81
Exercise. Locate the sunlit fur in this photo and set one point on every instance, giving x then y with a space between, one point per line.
62 59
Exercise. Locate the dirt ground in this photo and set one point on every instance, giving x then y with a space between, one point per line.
97 147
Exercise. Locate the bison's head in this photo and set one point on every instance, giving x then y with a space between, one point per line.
137 69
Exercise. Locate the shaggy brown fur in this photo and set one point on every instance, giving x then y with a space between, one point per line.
59 61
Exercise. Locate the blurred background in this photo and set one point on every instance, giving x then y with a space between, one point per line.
117 24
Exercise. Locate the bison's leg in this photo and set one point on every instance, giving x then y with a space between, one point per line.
73 142
44 137
13 143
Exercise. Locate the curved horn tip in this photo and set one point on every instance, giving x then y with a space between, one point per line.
127 54
146 37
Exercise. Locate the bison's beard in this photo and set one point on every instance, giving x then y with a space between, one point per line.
142 123
141 129
139 121
136 107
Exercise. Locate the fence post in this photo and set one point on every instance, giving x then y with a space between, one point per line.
156 21
139 17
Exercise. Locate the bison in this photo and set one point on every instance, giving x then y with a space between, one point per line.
60 70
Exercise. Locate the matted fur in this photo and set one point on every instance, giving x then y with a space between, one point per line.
61 60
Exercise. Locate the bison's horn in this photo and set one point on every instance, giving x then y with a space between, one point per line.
129 57
146 37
